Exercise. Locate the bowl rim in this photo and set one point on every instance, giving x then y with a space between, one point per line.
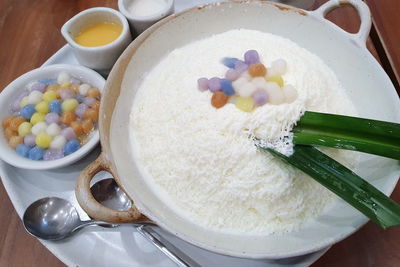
155 16
19 84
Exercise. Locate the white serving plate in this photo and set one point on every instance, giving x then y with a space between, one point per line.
121 246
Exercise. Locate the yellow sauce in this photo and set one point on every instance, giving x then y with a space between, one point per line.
98 34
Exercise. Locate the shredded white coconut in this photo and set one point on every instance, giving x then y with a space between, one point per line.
203 160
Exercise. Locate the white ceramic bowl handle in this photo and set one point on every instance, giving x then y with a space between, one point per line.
93 208
363 11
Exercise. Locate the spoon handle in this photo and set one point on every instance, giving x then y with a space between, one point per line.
93 222
169 250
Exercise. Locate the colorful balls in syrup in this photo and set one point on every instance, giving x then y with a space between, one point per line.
55 118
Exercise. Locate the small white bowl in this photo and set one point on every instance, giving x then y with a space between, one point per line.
140 23
8 95
103 57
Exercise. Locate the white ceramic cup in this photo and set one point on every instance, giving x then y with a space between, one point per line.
100 58
140 23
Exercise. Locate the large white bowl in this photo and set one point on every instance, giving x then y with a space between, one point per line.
12 90
366 83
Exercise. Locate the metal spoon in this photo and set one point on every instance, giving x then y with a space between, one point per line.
108 193
53 218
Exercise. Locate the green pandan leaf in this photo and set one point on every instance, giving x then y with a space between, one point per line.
344 132
343 182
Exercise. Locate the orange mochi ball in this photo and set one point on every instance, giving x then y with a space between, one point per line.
257 70
219 99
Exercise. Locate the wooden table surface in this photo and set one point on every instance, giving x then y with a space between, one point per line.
30 33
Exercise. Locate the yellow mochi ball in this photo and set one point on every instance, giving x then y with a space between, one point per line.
24 129
245 104
276 79
49 96
43 140
37 117
69 104
42 107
